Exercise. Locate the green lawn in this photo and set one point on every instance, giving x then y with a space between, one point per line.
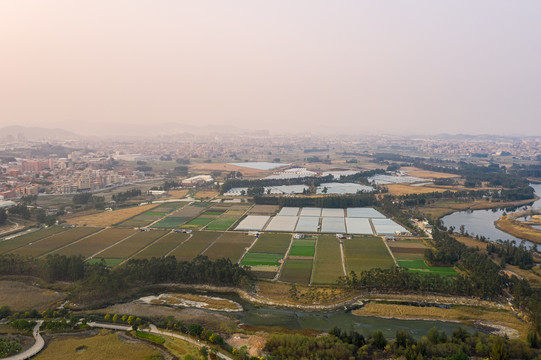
366 253
303 247
420 266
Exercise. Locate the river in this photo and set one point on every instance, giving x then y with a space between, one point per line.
481 222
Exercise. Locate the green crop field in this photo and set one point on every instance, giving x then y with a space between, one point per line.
271 244
96 242
170 222
328 261
297 271
56 241
162 246
25 239
222 223
130 246
229 245
134 223
303 247
109 262
366 253
421 267
197 222
197 243
254 259
160 213
213 212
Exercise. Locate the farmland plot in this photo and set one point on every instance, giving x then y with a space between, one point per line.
199 241
328 261
229 245
22 240
95 243
366 253
163 246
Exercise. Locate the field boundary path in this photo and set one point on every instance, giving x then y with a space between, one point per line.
313 262
342 257
167 215
373 227
176 247
153 329
110 246
284 259
73 242
389 249
34 349
246 249
13 228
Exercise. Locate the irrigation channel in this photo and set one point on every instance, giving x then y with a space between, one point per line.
258 316
481 222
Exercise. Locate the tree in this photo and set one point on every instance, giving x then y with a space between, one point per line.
499 350
204 351
115 318
130 319
3 216
107 317
378 340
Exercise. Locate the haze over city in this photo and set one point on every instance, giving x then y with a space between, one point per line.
304 66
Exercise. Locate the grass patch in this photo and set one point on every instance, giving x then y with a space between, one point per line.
303 247
150 337
105 345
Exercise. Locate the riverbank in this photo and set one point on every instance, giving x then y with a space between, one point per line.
509 224
443 208
500 322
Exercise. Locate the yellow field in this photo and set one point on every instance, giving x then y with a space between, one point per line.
204 194
456 313
403 189
177 194
413 171
20 296
519 229
105 345
109 218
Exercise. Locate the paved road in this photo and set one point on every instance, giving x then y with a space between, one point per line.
36 348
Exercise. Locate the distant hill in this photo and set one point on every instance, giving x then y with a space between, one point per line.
36 133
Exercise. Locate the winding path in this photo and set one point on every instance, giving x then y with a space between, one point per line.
36 348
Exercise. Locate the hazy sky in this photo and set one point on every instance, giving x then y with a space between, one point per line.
405 66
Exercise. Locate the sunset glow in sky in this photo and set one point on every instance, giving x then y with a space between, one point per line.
420 66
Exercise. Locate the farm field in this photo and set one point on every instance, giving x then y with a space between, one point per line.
264 210
421 267
151 216
297 271
170 222
127 248
197 223
110 217
109 262
407 249
222 223
256 259
104 345
268 243
22 240
229 245
54 242
303 247
199 241
95 243
162 246
366 253
328 261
